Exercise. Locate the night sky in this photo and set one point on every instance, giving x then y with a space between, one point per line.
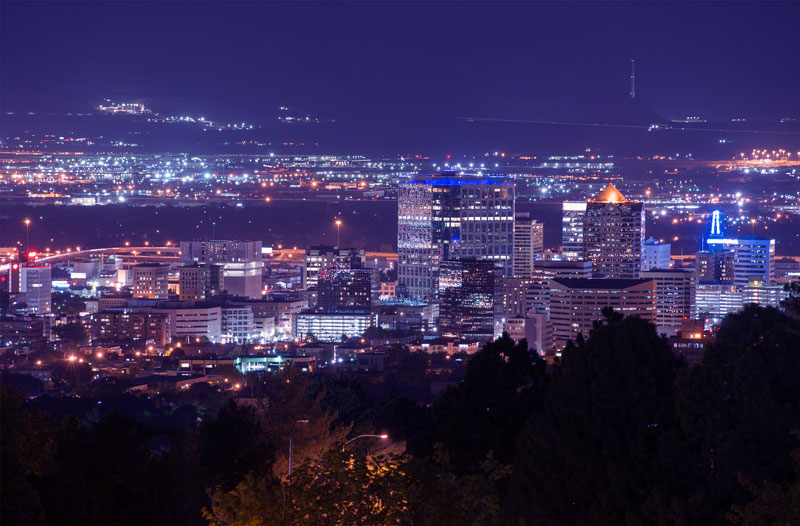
384 60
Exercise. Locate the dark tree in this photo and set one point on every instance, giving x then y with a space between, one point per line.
26 442
234 444
504 383
734 420
590 457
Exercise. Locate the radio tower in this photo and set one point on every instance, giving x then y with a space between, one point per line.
633 79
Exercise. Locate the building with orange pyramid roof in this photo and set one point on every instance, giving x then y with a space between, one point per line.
608 230
610 195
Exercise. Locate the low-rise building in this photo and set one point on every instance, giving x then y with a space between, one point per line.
534 328
193 321
575 304
691 341
331 326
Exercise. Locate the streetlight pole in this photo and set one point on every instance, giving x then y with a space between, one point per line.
382 437
27 235
291 437
338 231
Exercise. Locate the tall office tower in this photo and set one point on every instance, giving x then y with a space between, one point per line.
753 258
738 260
528 244
538 298
240 260
447 217
613 235
151 281
723 266
466 299
347 290
200 281
573 214
656 255
323 257
704 266
36 282
575 304
516 296
716 263
675 291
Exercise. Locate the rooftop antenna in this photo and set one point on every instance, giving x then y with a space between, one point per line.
716 229
633 79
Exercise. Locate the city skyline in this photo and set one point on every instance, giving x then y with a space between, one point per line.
399 262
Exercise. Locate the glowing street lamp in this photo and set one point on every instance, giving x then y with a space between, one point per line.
382 437
291 437
338 230
27 235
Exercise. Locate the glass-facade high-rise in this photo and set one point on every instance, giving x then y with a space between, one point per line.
447 217
572 215
466 295
528 244
613 235
608 231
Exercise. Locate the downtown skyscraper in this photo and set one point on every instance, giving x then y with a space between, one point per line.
608 231
448 217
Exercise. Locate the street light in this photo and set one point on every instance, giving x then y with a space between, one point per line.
338 230
382 437
291 436
27 235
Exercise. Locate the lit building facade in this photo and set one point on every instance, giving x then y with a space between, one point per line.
691 341
238 325
319 258
200 281
241 261
36 282
150 281
331 326
675 291
613 235
466 299
517 296
572 218
191 322
446 217
538 295
739 260
756 291
536 329
575 304
126 324
281 310
528 244
717 300
341 290
704 266
608 231
753 258
656 255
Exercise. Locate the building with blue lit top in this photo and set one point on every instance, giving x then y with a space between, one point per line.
746 258
448 217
